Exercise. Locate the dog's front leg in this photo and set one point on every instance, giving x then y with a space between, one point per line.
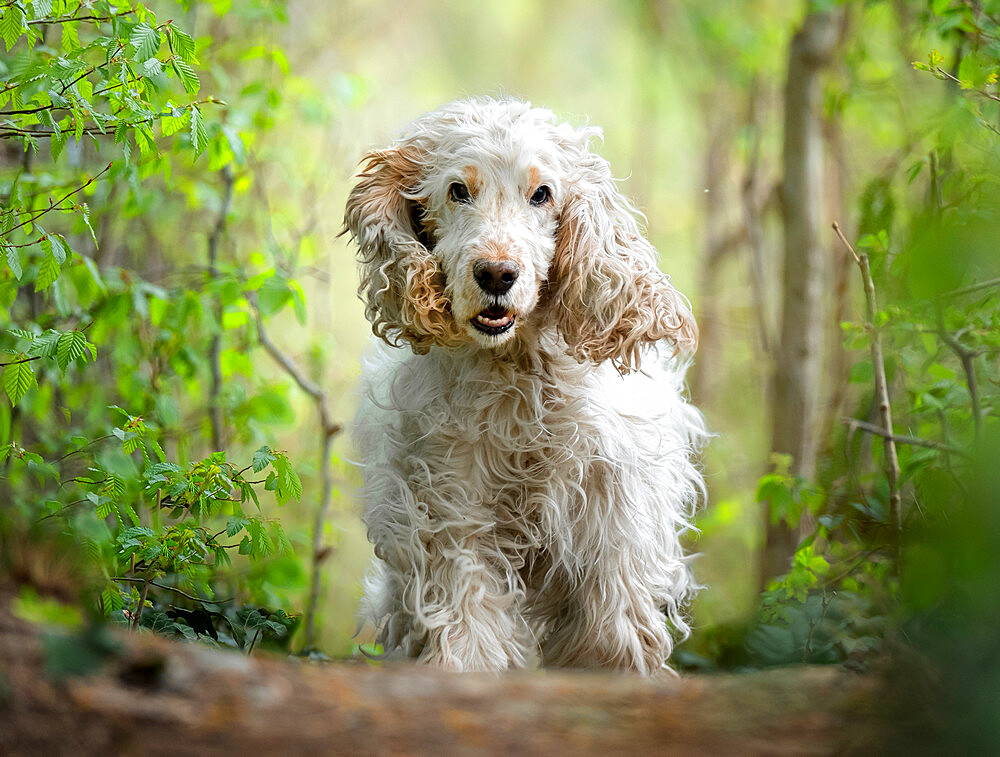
613 612
455 607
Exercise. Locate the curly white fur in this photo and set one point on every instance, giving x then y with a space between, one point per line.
526 490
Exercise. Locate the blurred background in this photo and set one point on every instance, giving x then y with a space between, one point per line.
220 300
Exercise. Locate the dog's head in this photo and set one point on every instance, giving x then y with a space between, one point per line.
488 216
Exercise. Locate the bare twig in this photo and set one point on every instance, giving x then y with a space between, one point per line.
253 643
328 430
881 386
973 288
18 362
88 444
55 205
967 357
67 19
912 441
142 604
175 590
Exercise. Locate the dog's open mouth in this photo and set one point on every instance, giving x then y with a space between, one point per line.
494 320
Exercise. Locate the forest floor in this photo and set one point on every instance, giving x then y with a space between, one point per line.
147 695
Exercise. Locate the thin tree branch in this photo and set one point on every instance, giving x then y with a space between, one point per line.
88 444
142 604
328 429
304 383
14 132
68 19
942 74
726 245
175 590
60 201
967 358
871 428
18 362
973 288
881 387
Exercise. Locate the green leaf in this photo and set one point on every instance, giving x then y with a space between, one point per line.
187 76
284 543
111 595
53 245
181 44
126 514
18 378
41 8
199 134
12 25
70 38
235 524
48 272
970 73
85 214
44 345
57 142
151 67
146 41
287 484
71 346
273 295
170 125
13 259
262 458
261 543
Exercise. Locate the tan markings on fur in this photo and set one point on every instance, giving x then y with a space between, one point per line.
611 298
471 176
495 252
401 283
534 179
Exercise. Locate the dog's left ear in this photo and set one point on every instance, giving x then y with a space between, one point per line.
609 297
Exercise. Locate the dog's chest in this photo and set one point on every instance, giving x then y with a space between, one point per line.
506 435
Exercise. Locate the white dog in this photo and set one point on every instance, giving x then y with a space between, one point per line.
526 484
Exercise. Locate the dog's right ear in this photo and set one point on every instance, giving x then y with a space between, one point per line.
401 284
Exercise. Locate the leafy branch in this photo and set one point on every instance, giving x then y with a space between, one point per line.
68 19
54 205
881 385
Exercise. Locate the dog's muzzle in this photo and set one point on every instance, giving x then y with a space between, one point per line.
494 320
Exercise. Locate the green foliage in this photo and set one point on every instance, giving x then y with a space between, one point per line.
108 311
786 495
927 220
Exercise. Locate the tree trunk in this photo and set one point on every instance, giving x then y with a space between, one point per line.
799 351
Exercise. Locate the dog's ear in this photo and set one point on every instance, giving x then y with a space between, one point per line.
610 298
402 285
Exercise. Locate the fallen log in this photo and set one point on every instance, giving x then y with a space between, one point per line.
147 695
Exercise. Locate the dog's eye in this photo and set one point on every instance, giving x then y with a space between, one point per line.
458 192
541 196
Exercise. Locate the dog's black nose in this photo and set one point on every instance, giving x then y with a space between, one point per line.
495 276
